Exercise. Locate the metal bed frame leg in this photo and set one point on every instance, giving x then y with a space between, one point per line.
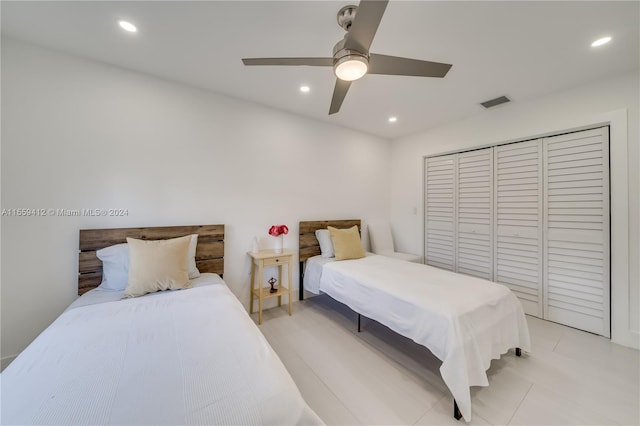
301 282
456 411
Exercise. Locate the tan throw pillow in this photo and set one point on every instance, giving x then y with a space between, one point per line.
346 243
156 265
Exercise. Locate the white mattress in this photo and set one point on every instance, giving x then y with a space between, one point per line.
465 321
313 272
179 357
99 295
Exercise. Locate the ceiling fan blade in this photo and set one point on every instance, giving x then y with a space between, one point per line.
394 65
313 62
365 25
339 92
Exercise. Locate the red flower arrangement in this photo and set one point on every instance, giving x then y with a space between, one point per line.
277 230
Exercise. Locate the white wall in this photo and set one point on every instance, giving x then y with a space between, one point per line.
614 101
78 134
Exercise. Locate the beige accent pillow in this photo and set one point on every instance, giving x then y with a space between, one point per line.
156 265
346 243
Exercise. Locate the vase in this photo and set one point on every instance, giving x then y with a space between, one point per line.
278 243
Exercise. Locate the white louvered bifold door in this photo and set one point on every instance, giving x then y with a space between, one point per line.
474 239
440 211
576 247
518 224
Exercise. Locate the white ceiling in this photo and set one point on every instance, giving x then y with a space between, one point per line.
520 49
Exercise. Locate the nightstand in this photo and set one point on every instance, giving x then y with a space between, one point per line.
261 259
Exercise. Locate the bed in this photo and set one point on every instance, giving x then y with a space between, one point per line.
190 356
464 321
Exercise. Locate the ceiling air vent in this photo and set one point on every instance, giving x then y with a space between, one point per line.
495 102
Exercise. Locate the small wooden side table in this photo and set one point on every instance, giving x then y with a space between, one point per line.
259 260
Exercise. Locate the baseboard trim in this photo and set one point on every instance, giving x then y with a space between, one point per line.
634 341
629 338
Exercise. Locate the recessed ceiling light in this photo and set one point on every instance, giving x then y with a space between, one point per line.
305 89
601 41
128 26
393 119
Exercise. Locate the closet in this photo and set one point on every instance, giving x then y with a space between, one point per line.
518 186
440 214
458 213
577 231
532 215
474 236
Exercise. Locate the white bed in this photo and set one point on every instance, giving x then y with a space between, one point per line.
178 357
465 321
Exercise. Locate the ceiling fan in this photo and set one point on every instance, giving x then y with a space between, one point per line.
351 58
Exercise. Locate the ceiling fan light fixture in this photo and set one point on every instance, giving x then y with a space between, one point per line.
351 58
351 67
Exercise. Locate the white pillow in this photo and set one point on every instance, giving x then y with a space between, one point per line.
115 264
115 267
326 246
191 257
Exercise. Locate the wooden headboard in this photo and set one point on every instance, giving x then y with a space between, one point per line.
308 243
209 251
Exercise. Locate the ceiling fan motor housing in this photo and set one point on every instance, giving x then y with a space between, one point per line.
340 52
353 57
346 15
355 61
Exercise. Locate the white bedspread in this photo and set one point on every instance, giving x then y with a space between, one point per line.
181 357
465 321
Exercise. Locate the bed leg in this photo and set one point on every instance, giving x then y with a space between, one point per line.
358 323
456 411
301 283
518 352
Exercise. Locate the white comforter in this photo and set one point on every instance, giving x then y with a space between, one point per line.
465 321
181 357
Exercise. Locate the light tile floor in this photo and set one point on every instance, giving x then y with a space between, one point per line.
379 377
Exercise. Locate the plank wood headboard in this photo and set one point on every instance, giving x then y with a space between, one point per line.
209 251
308 243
